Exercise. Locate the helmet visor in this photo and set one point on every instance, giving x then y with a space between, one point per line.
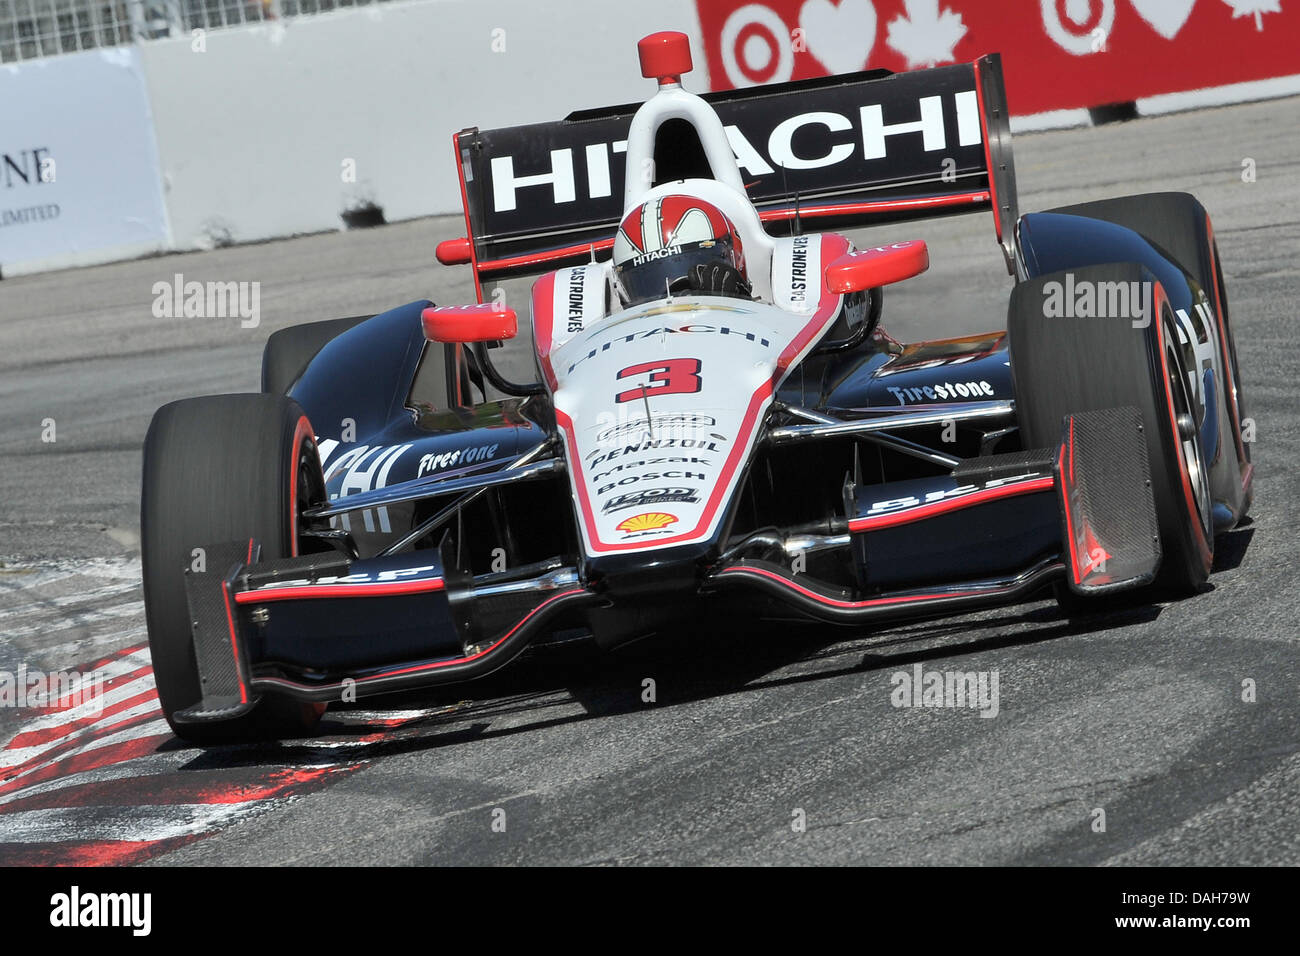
655 275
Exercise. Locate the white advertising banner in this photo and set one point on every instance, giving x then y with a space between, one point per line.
79 179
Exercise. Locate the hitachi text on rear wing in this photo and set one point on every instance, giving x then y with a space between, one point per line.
842 151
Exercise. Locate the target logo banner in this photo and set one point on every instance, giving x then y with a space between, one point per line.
1095 52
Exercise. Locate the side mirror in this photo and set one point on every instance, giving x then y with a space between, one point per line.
485 322
869 268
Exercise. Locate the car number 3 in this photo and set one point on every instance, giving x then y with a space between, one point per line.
667 377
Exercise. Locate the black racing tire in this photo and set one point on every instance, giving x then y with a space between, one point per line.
1062 366
1176 222
219 469
289 351
1179 226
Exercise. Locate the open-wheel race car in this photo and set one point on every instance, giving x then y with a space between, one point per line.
718 419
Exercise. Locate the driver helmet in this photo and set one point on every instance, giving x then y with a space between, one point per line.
678 244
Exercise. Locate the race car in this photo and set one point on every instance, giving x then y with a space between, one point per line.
718 419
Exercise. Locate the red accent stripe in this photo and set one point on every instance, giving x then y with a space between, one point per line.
833 246
873 602
234 643
1079 572
420 668
309 591
877 206
921 512
302 431
880 206
544 257
475 267
1065 507
543 294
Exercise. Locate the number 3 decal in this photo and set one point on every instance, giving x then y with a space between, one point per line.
669 377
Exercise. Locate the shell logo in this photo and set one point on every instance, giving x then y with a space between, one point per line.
649 521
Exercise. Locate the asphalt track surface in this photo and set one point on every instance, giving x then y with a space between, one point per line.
1138 712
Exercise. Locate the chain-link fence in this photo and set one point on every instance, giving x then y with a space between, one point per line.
36 28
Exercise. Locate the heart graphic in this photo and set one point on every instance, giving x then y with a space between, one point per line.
840 36
1165 16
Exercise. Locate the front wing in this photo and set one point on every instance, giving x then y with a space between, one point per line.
319 627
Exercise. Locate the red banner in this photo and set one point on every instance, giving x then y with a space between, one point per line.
1056 54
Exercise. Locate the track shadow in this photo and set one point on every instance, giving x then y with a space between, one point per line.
1231 546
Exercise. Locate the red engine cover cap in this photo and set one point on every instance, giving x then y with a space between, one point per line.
665 56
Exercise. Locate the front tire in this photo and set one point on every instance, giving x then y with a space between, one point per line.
289 351
1180 227
219 469
1068 365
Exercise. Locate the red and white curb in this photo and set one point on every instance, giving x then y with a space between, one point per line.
106 782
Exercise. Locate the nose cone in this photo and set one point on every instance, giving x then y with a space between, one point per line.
665 56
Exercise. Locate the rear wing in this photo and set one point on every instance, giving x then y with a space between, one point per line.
841 151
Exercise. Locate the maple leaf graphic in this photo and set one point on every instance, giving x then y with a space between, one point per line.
925 35
1246 8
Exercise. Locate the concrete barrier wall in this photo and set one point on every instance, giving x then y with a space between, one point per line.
257 131
79 180
276 129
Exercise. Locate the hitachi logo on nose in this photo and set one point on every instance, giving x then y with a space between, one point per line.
825 138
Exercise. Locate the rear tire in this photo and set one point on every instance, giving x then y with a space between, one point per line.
219 469
1066 365
289 351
